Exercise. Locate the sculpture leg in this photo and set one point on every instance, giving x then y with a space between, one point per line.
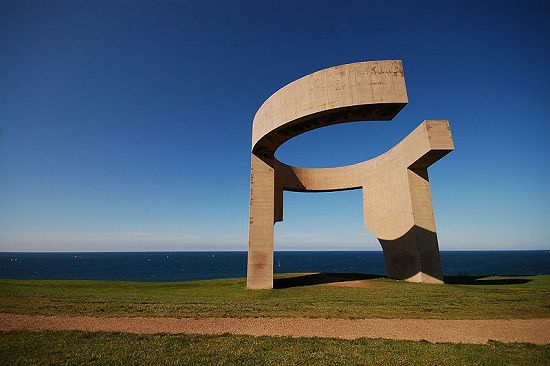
260 232
414 256
398 210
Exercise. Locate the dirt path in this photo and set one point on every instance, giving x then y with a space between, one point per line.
456 331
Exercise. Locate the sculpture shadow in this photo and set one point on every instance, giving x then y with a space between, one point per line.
319 279
326 278
483 280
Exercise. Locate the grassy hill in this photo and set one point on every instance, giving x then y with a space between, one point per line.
296 295
80 348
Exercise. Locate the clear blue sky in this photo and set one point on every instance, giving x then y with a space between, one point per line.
126 125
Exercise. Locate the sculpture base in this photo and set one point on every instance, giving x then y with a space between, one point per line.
414 257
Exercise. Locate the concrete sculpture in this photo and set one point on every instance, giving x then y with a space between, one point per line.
397 201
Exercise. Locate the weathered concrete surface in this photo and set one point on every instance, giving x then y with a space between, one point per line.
396 192
433 330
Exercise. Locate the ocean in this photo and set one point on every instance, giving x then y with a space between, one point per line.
188 266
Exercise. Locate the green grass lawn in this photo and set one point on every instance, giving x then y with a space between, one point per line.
464 298
72 348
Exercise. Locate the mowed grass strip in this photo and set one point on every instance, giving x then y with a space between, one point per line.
81 348
485 298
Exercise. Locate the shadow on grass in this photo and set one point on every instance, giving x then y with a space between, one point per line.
483 280
324 278
320 278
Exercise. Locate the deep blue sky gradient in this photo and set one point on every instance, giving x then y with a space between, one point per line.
126 125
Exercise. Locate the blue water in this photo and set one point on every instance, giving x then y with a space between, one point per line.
186 266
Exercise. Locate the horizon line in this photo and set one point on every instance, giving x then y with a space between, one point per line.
244 251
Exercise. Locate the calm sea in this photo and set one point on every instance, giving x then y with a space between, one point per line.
186 266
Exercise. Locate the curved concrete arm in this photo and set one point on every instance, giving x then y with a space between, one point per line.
428 143
362 91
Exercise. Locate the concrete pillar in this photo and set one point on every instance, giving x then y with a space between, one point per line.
414 256
262 219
